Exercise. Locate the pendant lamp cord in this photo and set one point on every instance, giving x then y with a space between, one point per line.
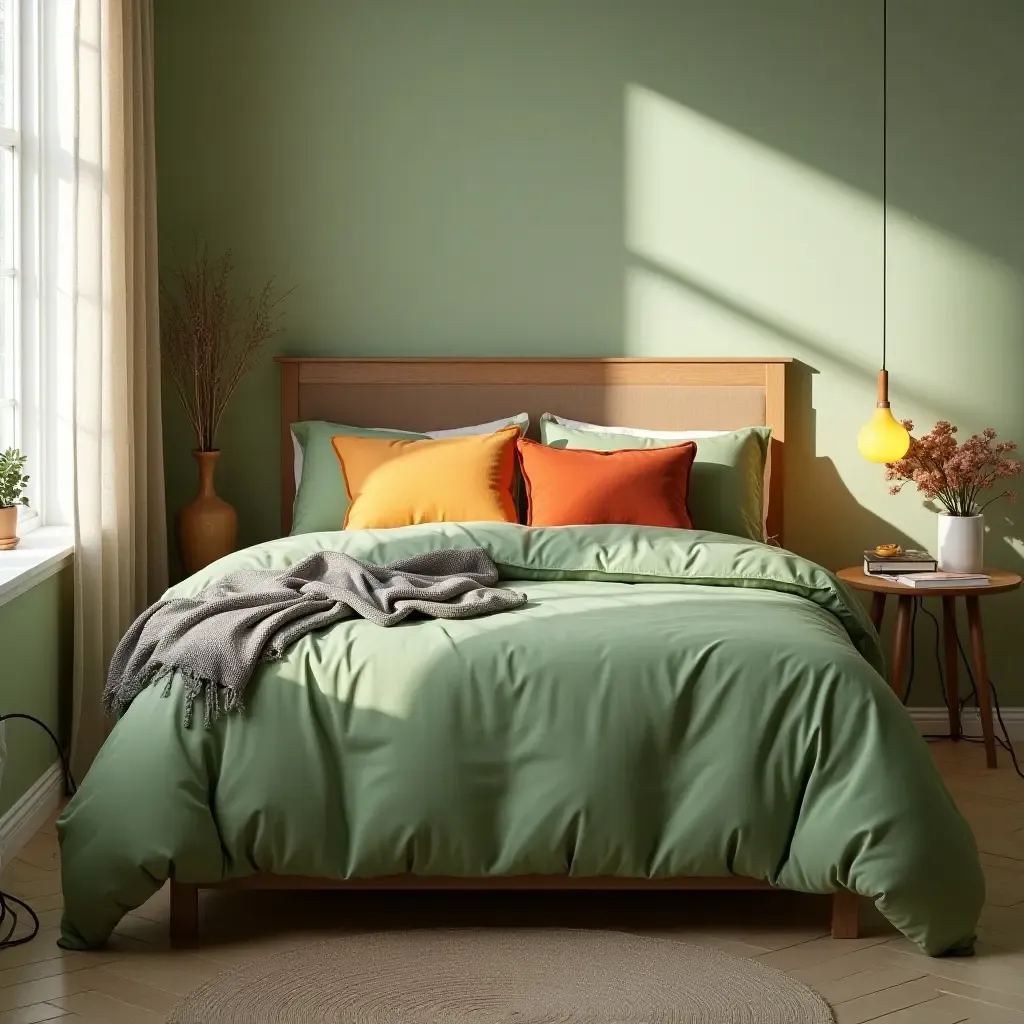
885 165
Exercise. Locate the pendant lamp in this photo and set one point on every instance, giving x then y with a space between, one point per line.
883 438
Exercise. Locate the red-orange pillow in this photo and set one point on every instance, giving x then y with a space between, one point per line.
573 486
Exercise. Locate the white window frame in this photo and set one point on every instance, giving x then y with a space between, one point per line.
39 142
12 142
10 252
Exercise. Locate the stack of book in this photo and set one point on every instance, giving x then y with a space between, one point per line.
919 570
924 580
903 561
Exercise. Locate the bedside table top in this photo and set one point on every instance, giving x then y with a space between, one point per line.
1000 581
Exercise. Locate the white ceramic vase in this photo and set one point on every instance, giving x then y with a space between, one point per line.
961 543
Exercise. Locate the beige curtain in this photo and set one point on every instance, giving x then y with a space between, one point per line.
120 530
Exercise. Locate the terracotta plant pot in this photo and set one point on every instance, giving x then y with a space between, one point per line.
207 526
8 528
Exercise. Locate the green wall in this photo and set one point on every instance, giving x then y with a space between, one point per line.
36 634
559 177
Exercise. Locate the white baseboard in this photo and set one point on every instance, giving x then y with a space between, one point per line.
29 814
933 721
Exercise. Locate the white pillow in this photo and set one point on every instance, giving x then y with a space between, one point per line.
683 435
522 420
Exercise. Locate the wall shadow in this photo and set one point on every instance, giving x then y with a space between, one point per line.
814 489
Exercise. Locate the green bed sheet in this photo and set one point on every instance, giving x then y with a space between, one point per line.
668 703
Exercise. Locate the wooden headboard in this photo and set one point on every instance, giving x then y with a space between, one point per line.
436 394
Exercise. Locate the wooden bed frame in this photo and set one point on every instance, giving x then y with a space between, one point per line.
435 394
845 921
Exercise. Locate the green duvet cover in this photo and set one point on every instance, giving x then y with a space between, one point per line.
668 703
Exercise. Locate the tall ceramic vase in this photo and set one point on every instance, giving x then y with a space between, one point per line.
961 543
207 526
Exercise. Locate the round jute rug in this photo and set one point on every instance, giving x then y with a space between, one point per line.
502 976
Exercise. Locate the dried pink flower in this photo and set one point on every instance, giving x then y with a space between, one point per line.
954 474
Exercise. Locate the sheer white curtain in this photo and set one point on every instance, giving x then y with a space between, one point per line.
118 499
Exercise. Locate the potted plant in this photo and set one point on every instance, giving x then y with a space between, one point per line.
12 487
959 478
210 341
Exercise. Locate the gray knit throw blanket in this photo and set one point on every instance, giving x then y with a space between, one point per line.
216 639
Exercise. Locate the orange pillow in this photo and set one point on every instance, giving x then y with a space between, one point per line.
393 482
570 486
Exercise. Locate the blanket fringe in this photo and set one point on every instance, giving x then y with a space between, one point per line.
217 699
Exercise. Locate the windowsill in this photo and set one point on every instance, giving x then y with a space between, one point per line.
41 553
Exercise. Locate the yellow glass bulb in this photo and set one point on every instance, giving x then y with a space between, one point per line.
883 438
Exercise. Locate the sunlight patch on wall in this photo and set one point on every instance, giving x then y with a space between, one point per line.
956 327
741 250
757 228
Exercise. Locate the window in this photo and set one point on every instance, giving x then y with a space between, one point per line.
37 104
10 361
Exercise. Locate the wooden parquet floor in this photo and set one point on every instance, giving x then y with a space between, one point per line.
879 977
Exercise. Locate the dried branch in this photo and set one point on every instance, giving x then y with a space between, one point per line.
210 341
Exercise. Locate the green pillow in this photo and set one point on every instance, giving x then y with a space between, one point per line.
321 500
727 479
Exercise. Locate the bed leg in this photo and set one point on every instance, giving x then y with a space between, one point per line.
184 914
845 915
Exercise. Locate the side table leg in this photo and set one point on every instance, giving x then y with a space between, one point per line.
901 644
981 678
952 682
877 609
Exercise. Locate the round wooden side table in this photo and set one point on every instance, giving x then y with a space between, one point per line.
1000 582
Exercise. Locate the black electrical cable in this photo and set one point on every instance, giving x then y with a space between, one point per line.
910 679
938 644
69 783
7 901
7 911
1007 745
1004 741
885 173
964 701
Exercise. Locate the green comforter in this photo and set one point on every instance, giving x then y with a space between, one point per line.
668 703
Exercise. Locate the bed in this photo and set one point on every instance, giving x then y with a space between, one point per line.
734 691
